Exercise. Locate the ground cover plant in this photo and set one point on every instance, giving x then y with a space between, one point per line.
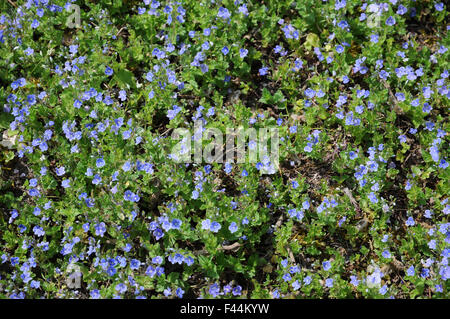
94 204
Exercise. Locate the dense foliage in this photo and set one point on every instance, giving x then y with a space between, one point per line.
89 189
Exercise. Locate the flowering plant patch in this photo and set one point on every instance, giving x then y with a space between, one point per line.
224 149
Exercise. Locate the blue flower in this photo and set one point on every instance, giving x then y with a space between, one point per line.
176 223
206 224
158 233
130 196
374 38
310 93
77 104
329 282
33 182
434 152
215 227
34 192
100 229
401 10
111 271
108 71
135 264
126 134
38 231
35 24
228 168
189 260
223 13
35 284
210 112
415 102
243 53
214 290
410 222
354 281
373 198
426 108
308 148
263 71
157 260
237 291
390 21
65 183
100 162
439 6
60 171
343 24
97 179
233 227
121 288
432 244
425 273
179 292
122 95
173 112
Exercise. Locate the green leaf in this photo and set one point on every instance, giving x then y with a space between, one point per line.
312 41
5 119
125 78
266 97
